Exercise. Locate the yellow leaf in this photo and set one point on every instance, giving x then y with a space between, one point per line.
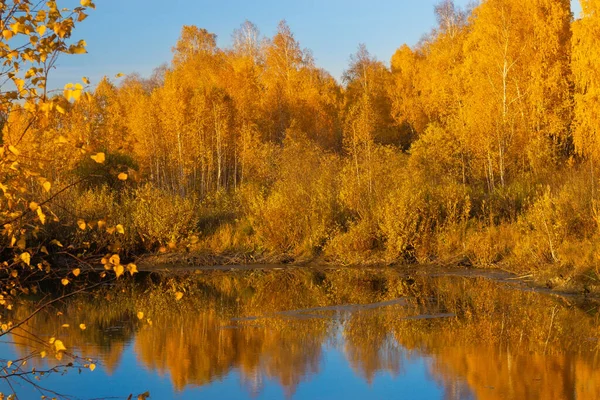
14 150
7 34
82 327
64 281
47 185
140 315
122 176
41 215
86 3
178 296
76 271
60 109
8 364
33 206
86 80
26 258
115 260
44 250
43 354
14 273
99 158
41 29
120 229
132 268
59 346
66 325
92 367
120 74
51 340
101 224
119 270
81 224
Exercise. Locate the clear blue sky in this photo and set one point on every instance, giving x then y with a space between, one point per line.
137 35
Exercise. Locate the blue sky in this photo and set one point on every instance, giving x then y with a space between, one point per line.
137 35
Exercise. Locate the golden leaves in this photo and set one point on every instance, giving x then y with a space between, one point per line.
115 260
178 296
65 281
81 224
59 346
73 91
76 272
14 150
82 327
26 258
99 158
140 315
120 229
122 176
119 270
132 269
92 367
47 186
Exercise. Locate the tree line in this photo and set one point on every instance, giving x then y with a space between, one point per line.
478 144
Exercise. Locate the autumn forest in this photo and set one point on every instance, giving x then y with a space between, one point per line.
478 146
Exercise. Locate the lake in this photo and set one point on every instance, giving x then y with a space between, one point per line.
311 334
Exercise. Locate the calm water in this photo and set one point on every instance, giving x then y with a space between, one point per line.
304 334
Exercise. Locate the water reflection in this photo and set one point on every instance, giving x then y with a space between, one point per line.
475 338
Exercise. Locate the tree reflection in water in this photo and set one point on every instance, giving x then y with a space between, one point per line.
495 342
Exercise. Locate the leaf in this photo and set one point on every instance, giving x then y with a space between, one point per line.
41 215
92 367
120 229
115 259
76 272
82 327
26 258
143 396
43 354
41 29
66 325
64 281
33 206
47 185
14 150
8 364
132 268
99 158
122 176
86 80
119 270
81 224
178 296
59 346
140 315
